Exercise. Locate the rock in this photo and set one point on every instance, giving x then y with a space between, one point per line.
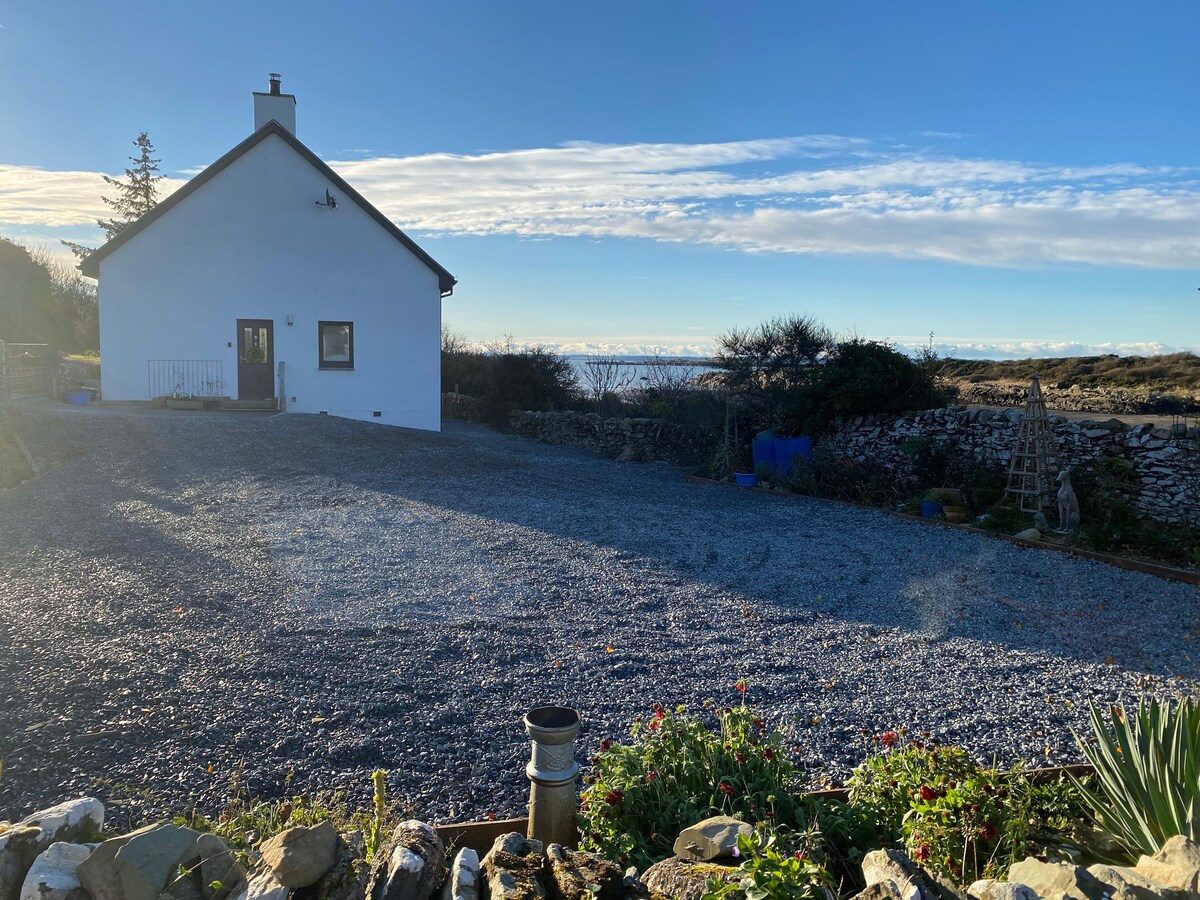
884 890
1129 884
463 883
990 889
350 875
512 869
894 868
711 839
73 822
1056 880
410 867
686 879
575 875
300 856
1029 534
139 865
52 875
263 885
218 866
1176 865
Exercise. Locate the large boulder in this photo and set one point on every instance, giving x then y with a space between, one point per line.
73 822
686 879
713 838
411 866
52 875
263 885
300 856
463 883
575 875
513 868
1176 865
220 873
894 869
1057 880
141 865
1129 884
990 889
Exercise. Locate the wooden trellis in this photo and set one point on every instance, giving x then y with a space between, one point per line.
1035 456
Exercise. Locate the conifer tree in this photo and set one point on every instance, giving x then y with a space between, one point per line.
137 194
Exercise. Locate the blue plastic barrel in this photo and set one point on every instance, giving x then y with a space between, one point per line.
787 449
764 453
930 509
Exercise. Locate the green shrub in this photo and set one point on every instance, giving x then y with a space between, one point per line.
508 379
769 873
959 818
677 771
1147 786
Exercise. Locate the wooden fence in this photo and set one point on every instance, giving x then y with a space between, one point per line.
27 371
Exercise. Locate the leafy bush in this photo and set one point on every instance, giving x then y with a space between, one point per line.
508 379
1147 773
771 874
959 818
677 771
860 378
838 477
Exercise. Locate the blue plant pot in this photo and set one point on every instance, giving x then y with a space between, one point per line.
930 509
745 479
79 398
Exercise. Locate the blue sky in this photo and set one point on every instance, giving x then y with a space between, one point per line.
1018 178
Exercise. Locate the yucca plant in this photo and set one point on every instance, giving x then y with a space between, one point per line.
1147 786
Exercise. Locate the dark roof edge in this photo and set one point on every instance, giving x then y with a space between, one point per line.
91 265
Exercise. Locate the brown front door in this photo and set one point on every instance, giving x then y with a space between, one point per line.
256 359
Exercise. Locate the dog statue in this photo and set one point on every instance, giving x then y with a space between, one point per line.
1068 503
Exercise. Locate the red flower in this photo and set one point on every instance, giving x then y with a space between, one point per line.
987 831
727 789
652 724
614 797
660 713
768 754
651 775
605 744
928 793
740 759
759 723
922 852
888 739
800 855
741 685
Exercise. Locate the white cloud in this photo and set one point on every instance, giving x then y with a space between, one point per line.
821 194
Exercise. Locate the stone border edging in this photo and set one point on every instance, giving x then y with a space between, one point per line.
1168 573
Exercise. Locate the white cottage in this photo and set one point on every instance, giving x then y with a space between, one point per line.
268 278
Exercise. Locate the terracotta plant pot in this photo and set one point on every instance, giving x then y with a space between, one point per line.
954 513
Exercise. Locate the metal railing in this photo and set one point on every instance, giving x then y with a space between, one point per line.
186 378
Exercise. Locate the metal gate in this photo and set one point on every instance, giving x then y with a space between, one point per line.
27 370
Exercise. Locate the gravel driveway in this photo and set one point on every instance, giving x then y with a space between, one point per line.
310 598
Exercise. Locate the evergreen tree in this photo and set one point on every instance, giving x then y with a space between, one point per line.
137 194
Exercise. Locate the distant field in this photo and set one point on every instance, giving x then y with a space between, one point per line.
1175 371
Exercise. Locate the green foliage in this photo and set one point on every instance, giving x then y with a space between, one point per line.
860 378
508 378
959 818
1147 773
677 771
1006 517
767 873
837 477
846 833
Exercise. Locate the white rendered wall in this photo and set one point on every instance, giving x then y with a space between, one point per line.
252 244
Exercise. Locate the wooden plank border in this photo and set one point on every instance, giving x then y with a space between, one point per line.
1168 573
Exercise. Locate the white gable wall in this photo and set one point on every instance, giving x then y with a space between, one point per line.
252 244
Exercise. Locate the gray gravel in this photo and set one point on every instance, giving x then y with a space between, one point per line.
307 598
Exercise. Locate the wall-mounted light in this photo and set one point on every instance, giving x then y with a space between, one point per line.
291 320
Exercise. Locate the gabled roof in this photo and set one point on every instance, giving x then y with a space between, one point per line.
91 265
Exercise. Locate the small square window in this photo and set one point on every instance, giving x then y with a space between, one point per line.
335 345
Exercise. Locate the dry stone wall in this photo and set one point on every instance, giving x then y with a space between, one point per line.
627 439
1166 461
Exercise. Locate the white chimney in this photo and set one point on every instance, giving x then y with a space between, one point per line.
274 105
